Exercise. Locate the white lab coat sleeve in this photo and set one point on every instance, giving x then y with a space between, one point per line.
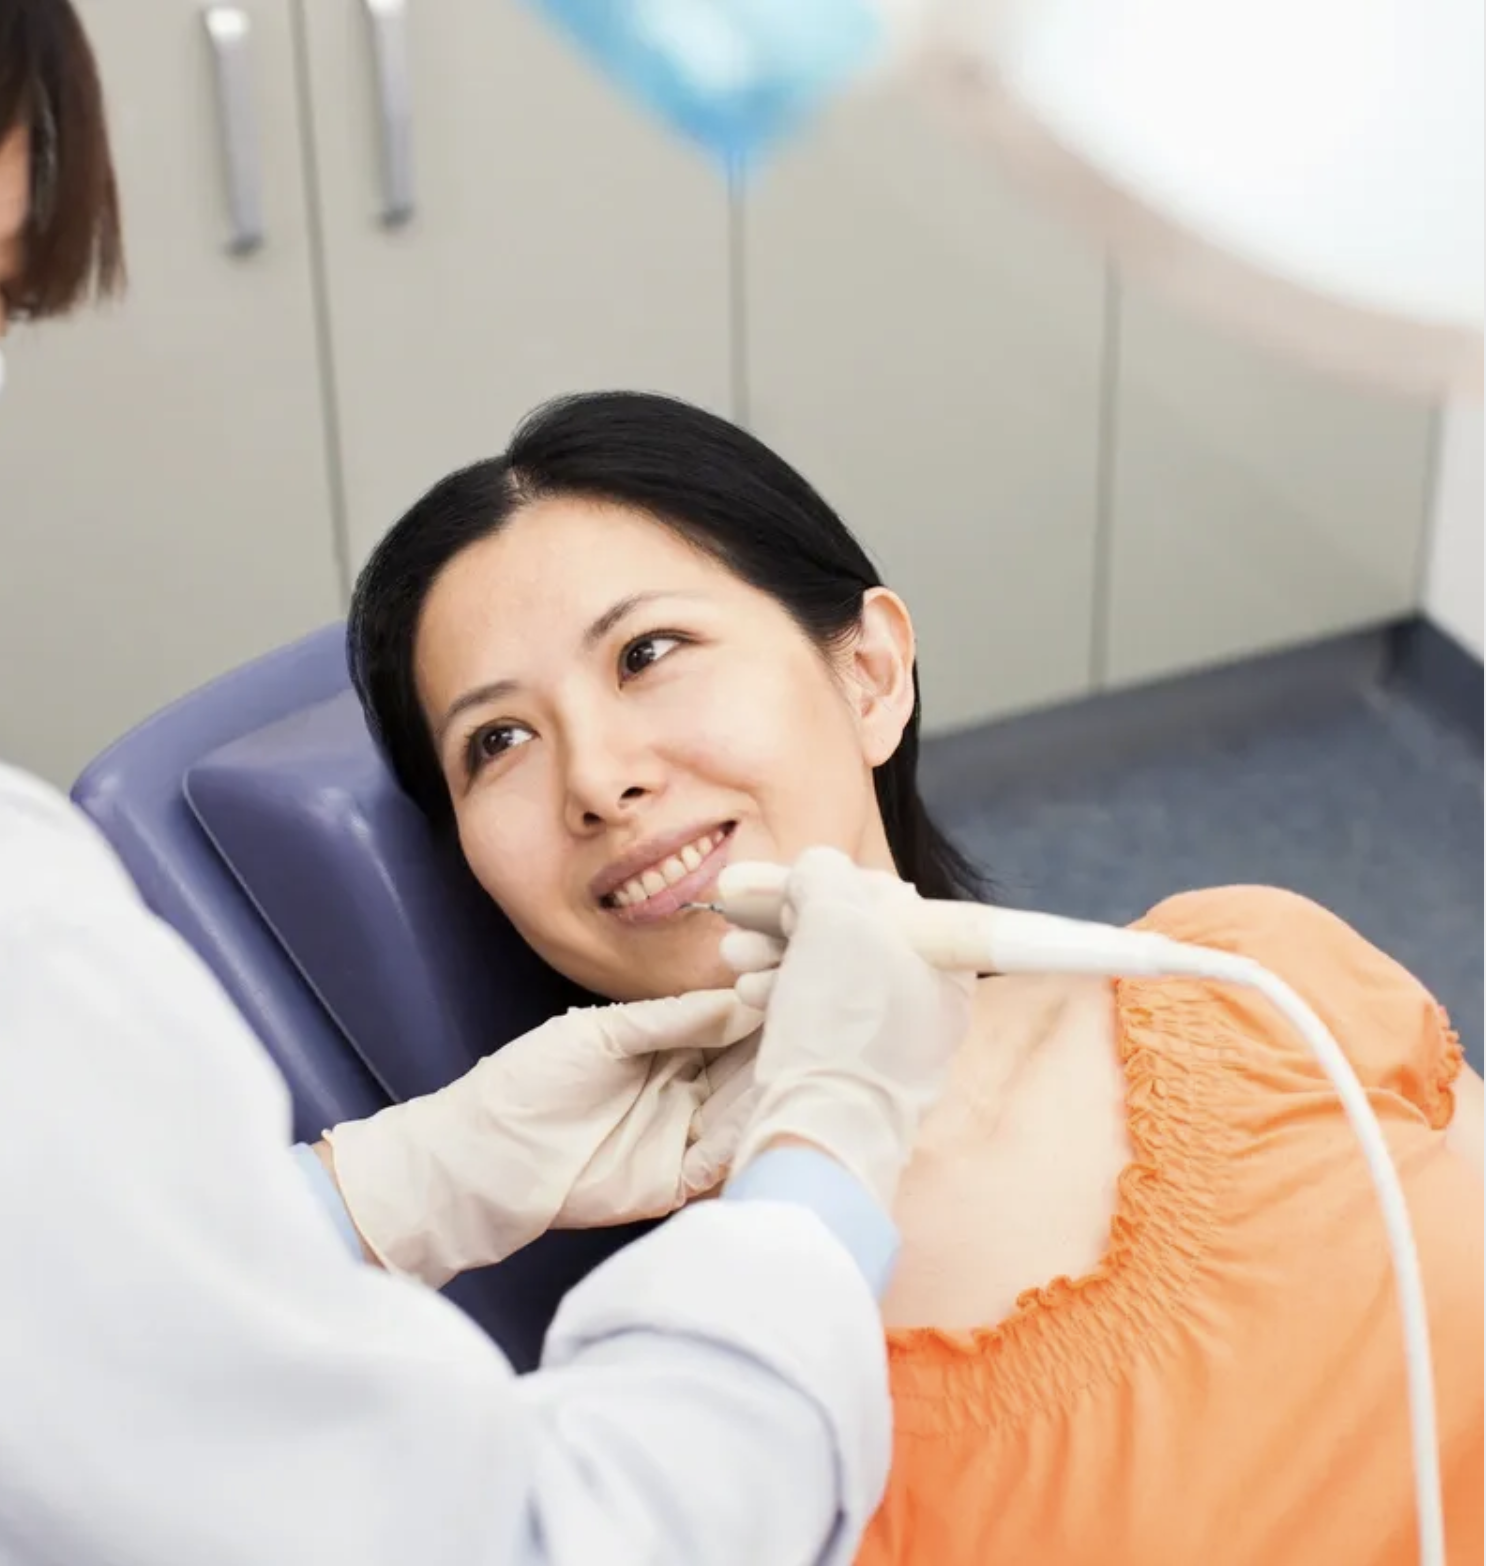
191 1368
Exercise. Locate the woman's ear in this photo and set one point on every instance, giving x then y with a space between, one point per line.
880 673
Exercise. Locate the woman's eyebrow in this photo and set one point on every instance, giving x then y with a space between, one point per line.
497 690
620 610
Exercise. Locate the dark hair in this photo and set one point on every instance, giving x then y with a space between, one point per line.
49 87
724 491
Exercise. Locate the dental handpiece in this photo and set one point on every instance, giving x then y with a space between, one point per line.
961 937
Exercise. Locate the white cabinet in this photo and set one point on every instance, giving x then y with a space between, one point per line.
1253 505
928 352
1067 485
558 241
164 480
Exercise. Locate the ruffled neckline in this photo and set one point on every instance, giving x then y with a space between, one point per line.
1067 1335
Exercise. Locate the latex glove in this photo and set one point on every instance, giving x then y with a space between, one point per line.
582 1122
860 1030
721 1121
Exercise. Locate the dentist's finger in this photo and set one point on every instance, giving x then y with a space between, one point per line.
745 951
825 875
700 1019
707 1162
755 989
726 1067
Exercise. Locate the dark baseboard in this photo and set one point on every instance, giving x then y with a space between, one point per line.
1122 726
1433 668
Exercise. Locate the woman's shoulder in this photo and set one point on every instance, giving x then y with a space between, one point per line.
1392 1029
1234 917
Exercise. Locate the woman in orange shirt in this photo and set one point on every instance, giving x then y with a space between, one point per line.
1144 1314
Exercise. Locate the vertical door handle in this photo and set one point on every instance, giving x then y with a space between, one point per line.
229 29
389 41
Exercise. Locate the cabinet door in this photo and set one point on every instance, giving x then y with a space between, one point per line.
927 351
164 499
558 241
1254 504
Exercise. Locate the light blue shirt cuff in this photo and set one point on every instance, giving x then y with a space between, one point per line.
814 1180
327 1193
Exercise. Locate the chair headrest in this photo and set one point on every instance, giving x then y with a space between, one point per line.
378 911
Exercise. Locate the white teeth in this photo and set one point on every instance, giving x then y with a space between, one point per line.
671 870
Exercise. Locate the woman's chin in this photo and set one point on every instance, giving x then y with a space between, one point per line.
679 975
674 962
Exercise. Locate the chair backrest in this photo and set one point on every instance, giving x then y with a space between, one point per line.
135 791
258 818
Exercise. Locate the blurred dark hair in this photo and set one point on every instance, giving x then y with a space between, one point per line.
72 248
713 483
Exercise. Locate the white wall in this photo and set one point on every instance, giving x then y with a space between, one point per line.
1453 576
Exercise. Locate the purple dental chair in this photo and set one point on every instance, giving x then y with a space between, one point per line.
258 819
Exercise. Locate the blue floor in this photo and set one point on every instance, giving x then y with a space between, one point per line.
1374 809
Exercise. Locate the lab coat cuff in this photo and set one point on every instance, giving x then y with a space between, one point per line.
815 1180
327 1193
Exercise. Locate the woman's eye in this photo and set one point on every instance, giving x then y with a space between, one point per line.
644 651
488 744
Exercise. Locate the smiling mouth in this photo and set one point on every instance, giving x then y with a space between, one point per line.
667 886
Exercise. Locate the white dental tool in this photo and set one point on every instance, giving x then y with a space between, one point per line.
975 938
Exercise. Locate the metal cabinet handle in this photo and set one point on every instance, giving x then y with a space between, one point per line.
389 39
229 28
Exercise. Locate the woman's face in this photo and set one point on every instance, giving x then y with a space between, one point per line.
15 203
618 716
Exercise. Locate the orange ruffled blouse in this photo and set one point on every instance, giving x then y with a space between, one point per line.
1227 1389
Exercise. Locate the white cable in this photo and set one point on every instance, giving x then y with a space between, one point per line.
1408 1278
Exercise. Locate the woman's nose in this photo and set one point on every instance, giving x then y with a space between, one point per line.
605 780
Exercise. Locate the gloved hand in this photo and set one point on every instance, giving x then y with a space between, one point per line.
860 1030
582 1122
